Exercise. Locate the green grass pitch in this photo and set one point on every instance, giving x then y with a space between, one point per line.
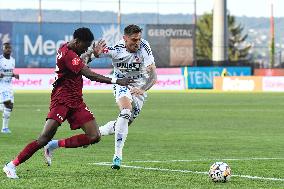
171 144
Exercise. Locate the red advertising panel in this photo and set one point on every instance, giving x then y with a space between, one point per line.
269 72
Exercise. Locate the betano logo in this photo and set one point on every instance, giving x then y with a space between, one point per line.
237 84
43 47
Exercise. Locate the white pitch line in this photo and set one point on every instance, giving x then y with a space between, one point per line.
187 171
152 168
188 160
258 178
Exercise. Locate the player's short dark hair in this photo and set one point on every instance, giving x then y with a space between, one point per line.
132 29
6 43
83 34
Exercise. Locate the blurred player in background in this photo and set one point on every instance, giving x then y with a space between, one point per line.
7 66
67 101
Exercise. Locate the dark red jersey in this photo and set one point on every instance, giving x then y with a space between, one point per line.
69 82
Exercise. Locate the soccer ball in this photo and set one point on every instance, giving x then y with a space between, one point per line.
220 172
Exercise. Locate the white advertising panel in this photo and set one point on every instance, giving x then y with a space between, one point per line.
44 82
169 82
273 84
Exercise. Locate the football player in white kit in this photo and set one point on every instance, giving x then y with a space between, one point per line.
131 57
7 66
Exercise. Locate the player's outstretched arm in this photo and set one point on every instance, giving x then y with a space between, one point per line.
9 75
151 80
151 70
17 76
87 56
88 73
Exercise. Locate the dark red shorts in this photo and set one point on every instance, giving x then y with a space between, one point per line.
75 116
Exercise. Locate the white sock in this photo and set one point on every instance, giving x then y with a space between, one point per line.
107 129
1 107
121 131
53 144
6 117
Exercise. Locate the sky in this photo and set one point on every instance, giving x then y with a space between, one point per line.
249 8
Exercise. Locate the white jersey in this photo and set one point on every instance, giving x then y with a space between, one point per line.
131 65
6 67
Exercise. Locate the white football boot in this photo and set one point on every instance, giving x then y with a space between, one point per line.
47 154
10 172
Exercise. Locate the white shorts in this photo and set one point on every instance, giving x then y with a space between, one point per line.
137 101
6 96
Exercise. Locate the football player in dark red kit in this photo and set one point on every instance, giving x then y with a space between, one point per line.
67 101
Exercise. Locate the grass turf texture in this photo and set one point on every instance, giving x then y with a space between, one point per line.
204 127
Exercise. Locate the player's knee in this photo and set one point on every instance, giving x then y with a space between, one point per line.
125 113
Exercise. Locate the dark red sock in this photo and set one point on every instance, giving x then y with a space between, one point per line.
26 153
75 141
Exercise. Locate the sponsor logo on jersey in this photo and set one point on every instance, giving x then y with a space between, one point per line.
137 59
135 66
75 61
8 70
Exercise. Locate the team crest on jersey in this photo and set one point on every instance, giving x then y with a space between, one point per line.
137 59
75 61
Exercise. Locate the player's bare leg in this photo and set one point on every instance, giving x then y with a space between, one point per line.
92 135
47 134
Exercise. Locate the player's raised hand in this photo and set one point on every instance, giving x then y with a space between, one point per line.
99 47
124 81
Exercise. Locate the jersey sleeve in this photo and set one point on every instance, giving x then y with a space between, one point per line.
147 54
1 62
73 62
14 64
